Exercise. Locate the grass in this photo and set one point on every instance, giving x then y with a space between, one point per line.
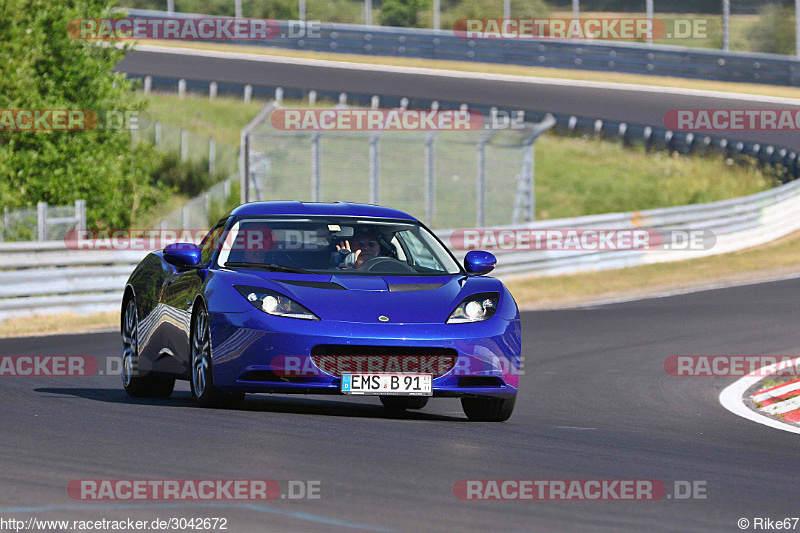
780 258
494 68
56 324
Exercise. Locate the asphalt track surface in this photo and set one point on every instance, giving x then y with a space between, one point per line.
595 403
626 105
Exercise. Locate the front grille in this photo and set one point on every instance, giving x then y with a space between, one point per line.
337 359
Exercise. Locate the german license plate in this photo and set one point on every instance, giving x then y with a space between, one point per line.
388 384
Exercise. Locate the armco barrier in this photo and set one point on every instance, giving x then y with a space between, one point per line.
605 56
47 278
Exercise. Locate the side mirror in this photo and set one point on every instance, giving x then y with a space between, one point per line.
479 262
182 254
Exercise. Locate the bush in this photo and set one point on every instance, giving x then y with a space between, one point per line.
401 13
774 32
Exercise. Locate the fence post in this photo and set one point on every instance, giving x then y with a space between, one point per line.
316 185
430 185
576 9
279 95
368 12
185 216
480 215
244 165
726 25
5 224
80 215
41 226
649 8
436 12
181 88
342 98
237 6
212 90
157 133
170 6
226 188
301 8
506 9
312 98
184 145
148 84
212 156
248 93
376 101
374 168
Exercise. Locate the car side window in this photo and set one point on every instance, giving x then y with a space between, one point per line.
210 242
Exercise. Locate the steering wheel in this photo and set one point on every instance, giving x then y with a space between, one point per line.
390 265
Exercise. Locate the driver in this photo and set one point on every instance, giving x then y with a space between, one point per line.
360 248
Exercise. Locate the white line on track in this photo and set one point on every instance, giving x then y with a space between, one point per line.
529 80
731 399
777 392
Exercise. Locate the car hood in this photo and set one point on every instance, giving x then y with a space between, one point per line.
376 299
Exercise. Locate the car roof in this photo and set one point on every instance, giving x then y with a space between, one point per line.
339 209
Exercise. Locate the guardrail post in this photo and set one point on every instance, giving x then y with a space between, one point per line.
430 184
576 8
248 93
316 185
301 8
237 6
41 226
212 90
279 95
157 133
80 215
368 12
185 216
312 98
148 84
170 6
376 101
374 168
181 88
342 98
436 14
649 6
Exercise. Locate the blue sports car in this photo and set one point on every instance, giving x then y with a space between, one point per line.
322 298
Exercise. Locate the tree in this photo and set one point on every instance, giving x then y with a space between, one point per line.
44 68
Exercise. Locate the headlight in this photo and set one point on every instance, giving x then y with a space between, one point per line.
475 308
275 304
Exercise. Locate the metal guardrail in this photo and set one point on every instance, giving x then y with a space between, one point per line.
48 278
637 58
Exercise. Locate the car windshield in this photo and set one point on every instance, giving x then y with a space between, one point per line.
334 245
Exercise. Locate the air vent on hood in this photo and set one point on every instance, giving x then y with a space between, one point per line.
312 284
409 287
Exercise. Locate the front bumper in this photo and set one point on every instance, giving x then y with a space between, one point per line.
250 350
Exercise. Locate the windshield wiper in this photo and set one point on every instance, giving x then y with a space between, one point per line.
270 267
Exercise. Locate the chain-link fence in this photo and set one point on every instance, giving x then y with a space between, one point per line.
41 223
447 179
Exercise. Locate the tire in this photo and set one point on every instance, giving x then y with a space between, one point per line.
398 403
138 386
488 409
202 380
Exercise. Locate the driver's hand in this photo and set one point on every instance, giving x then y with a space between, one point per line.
350 258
